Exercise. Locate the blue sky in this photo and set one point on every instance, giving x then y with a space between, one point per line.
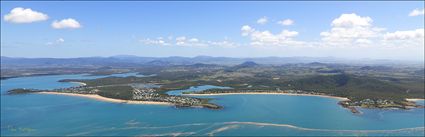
383 30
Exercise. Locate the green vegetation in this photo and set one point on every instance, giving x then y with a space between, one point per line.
118 92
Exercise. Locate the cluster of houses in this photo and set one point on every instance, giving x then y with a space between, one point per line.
212 91
183 101
144 93
140 93
149 94
370 102
79 90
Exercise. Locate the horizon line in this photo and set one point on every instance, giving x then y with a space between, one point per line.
240 57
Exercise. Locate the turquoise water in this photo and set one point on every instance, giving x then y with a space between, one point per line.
195 89
126 75
36 114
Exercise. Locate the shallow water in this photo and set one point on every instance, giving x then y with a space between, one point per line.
195 89
42 114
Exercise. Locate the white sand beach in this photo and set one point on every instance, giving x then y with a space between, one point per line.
100 98
414 99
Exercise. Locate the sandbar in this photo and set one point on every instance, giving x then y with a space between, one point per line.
100 98
414 99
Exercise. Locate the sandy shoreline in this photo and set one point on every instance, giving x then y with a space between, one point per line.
79 83
414 99
100 98
269 93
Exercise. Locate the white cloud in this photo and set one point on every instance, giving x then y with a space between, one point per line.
58 41
351 20
349 35
416 12
154 42
349 29
409 38
262 20
286 22
181 40
66 23
21 15
404 39
190 42
267 38
246 30
352 31
184 41
405 35
224 43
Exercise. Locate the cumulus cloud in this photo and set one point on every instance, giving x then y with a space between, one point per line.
349 29
286 22
416 12
267 38
22 15
351 20
348 35
262 20
69 23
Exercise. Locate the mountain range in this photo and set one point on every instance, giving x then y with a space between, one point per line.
131 61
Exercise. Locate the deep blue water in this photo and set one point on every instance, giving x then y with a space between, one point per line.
40 114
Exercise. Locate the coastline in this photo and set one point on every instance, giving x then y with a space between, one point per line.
79 83
100 98
414 99
269 93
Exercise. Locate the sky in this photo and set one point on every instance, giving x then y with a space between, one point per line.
355 30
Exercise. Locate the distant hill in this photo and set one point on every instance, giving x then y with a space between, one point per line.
7 62
131 61
247 64
158 63
356 87
420 72
375 68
